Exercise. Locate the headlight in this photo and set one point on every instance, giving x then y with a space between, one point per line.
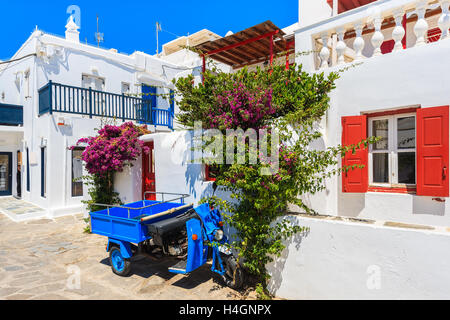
218 235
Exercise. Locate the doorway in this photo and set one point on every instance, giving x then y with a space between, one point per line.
19 174
5 173
148 173
149 103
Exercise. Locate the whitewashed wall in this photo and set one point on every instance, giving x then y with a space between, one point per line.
312 11
74 60
343 260
175 173
416 76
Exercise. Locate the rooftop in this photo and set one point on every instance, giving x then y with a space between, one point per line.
246 47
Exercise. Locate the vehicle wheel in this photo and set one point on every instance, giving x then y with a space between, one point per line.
234 274
119 264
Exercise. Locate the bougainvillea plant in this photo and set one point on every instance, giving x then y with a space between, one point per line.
113 149
241 107
287 101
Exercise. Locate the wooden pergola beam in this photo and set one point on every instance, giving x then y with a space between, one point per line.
235 45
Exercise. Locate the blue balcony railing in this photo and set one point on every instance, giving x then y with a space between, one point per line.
11 115
55 97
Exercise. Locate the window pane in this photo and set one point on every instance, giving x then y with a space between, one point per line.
4 173
380 129
407 167
77 172
380 168
406 133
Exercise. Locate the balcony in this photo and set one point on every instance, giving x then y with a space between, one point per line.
381 27
11 115
59 98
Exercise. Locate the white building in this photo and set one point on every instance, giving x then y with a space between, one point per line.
395 87
397 90
56 90
399 95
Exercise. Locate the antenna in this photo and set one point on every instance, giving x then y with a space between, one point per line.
99 37
158 29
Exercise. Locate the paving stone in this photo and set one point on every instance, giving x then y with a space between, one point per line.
151 284
8 291
43 288
28 274
50 296
41 221
12 268
38 267
19 297
24 282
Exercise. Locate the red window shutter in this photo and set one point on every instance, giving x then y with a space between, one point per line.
354 131
432 151
208 173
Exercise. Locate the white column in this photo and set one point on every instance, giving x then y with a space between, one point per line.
333 50
444 20
378 37
325 52
359 43
341 46
421 27
399 32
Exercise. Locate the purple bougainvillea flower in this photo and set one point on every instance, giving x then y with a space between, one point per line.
114 148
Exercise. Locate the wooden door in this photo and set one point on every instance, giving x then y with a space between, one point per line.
148 173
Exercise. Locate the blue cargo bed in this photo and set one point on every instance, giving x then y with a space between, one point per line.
124 223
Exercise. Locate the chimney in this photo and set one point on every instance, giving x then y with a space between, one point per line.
72 33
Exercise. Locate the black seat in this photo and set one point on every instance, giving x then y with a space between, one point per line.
162 227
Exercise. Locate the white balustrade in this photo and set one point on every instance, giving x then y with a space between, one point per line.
358 44
376 15
378 36
325 52
444 20
341 46
421 27
399 32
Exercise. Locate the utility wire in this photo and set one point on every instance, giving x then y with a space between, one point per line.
18 59
171 33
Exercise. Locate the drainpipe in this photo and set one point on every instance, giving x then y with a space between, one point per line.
65 172
334 36
335 7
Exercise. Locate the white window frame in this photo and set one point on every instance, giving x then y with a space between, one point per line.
392 150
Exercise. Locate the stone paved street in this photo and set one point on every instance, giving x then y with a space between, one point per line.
38 260
19 210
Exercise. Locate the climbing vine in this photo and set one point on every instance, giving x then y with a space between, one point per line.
113 149
288 102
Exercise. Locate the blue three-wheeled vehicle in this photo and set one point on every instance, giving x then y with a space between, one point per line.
167 228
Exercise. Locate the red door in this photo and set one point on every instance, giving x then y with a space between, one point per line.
148 173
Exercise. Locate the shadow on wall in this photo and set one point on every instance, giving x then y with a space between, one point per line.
428 206
386 206
193 172
276 267
351 204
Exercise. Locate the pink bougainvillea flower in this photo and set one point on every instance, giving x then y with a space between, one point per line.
114 148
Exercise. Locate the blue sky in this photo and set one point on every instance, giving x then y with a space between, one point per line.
130 25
